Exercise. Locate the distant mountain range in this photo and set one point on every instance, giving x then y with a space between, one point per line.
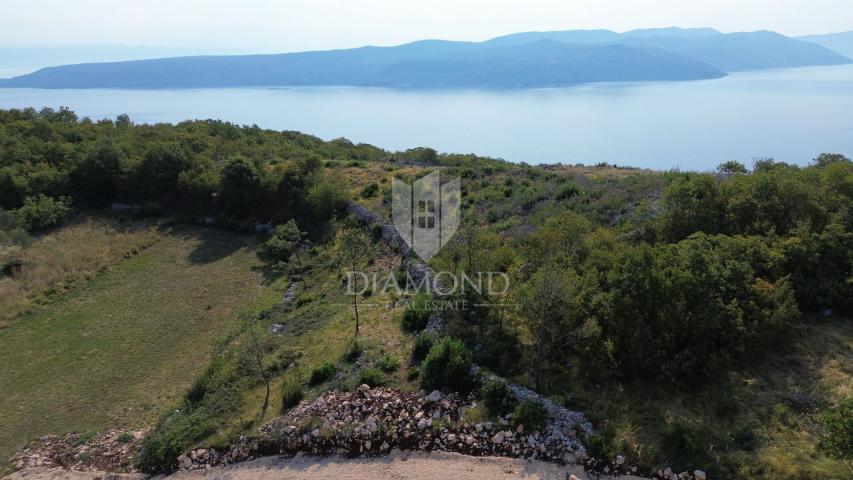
840 42
530 59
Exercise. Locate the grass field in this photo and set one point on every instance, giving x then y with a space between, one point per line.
114 352
72 255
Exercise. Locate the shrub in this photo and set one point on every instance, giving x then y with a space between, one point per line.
323 373
601 445
497 398
837 441
448 366
531 414
325 199
685 445
41 212
369 190
291 395
423 344
284 242
124 438
371 377
389 364
161 448
353 352
12 267
566 191
416 315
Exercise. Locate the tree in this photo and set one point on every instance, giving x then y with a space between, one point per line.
354 252
284 243
732 167
160 170
41 212
96 177
325 198
550 314
692 204
241 186
837 441
257 351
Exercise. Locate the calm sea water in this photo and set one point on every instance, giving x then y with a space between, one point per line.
791 115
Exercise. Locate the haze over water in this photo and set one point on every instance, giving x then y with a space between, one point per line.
790 115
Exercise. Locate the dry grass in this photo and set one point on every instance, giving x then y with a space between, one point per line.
380 173
62 259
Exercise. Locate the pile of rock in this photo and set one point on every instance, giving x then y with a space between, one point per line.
112 451
564 423
290 294
377 420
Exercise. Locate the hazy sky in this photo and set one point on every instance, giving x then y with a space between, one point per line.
308 24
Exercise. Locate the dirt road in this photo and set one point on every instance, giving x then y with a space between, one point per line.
396 466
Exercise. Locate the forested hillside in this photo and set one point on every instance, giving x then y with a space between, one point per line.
699 319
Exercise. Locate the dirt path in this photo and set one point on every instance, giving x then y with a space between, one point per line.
396 466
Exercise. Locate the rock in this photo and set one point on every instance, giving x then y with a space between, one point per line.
434 397
498 438
185 462
620 459
573 477
423 423
667 472
699 475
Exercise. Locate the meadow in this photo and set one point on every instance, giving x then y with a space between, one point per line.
114 350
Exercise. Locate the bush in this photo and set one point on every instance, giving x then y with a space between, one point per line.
12 267
685 445
497 398
353 352
371 377
291 395
284 242
416 315
389 364
323 373
601 445
41 212
161 448
566 191
448 366
369 190
325 199
423 344
531 414
837 441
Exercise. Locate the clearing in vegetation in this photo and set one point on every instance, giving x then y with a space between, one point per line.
112 353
